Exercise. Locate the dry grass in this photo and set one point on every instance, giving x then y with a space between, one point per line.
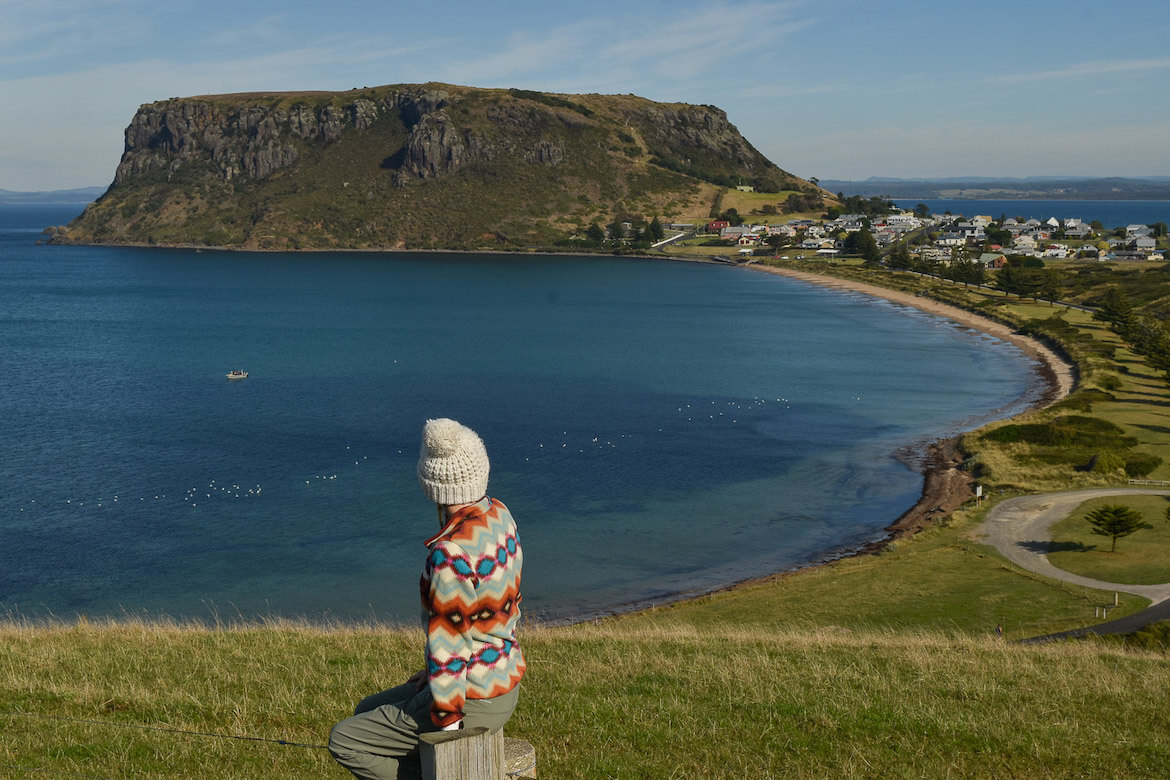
603 700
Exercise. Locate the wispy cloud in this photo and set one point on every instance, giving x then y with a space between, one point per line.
44 31
264 30
1085 70
630 51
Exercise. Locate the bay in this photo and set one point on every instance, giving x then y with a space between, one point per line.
1110 213
658 428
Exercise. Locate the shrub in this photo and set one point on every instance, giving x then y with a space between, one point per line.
1083 400
1068 431
1110 382
1140 464
1106 463
216 237
1029 433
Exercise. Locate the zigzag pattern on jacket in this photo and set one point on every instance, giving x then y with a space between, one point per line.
471 597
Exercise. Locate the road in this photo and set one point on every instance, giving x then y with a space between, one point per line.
1019 529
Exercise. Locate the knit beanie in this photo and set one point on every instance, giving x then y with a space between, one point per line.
453 463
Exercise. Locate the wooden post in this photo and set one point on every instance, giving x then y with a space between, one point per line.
475 754
466 754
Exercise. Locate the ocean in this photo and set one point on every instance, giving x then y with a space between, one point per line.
657 428
1110 213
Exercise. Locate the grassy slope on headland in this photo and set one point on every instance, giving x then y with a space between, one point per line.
879 665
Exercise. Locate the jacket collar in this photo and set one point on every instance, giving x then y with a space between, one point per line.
479 507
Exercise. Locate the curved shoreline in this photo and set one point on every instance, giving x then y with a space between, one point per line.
1059 373
944 487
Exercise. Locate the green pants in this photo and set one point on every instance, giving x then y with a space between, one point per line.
381 740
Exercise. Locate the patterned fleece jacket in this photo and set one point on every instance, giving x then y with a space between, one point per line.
471 604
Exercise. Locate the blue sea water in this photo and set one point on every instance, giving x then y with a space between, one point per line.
657 428
1110 213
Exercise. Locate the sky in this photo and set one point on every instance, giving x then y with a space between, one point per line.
833 89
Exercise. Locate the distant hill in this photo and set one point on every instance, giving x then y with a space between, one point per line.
80 195
415 166
1035 188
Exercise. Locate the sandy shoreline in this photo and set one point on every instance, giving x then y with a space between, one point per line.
1059 373
945 487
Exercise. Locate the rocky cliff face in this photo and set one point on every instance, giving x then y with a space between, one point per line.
387 166
255 141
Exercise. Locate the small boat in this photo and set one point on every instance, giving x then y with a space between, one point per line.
237 374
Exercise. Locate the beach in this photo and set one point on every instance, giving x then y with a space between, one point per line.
945 486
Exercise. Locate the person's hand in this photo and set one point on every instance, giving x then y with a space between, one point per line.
419 679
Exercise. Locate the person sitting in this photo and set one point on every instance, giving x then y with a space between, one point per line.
470 590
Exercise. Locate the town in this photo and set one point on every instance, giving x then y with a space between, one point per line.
942 239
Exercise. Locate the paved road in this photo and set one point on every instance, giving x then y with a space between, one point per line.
1018 528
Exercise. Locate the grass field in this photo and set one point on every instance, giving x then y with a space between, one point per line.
600 701
1140 559
943 582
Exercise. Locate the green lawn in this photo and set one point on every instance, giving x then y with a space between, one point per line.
943 581
1142 558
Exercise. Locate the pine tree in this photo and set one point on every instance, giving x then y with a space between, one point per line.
656 231
1116 521
1115 309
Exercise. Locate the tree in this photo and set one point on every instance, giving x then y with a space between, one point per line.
656 231
928 264
595 233
996 235
1115 309
1116 521
732 217
862 242
1051 286
899 257
1025 282
1007 279
963 268
922 211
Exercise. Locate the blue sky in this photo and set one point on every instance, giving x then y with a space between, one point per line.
832 88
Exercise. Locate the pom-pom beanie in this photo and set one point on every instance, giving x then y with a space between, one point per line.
453 463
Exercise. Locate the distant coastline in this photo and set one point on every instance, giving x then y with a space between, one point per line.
80 195
1110 213
984 188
